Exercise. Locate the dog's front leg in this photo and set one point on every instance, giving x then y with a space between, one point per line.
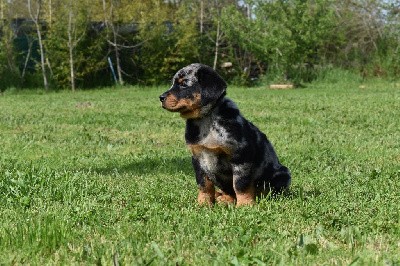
243 185
206 186
206 192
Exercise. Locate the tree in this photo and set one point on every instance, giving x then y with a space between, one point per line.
111 28
286 41
184 39
73 41
155 35
8 68
286 36
218 34
75 49
35 13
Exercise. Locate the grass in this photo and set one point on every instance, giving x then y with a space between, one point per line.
103 177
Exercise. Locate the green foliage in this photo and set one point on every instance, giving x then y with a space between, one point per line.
8 70
170 41
184 47
104 177
89 47
154 33
266 41
56 45
289 36
331 75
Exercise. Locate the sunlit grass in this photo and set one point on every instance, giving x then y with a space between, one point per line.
102 176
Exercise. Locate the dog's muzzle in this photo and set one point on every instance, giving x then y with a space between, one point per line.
163 97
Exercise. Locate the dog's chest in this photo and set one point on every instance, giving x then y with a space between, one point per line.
210 147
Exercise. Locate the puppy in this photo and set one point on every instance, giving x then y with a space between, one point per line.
227 150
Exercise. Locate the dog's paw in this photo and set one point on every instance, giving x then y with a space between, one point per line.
205 199
225 199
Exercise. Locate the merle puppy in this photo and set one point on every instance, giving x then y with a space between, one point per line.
227 150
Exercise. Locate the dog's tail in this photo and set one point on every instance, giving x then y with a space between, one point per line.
276 183
281 179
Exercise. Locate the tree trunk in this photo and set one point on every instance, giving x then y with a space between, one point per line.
110 24
118 61
50 13
2 11
30 43
71 51
201 16
217 38
36 21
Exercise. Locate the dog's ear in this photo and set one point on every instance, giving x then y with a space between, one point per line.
212 85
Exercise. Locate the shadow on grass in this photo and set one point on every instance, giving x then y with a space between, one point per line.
299 192
149 166
182 165
293 193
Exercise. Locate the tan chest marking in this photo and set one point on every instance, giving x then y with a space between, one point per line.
198 149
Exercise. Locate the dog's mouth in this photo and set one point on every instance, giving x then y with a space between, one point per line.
172 107
172 104
185 111
168 102
187 107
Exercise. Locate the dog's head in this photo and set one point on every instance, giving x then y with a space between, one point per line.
195 90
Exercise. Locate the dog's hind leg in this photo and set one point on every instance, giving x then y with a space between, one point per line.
244 190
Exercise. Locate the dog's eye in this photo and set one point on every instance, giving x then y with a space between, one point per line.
183 84
180 81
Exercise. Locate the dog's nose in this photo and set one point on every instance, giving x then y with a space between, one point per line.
162 97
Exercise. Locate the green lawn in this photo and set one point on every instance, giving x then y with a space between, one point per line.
103 177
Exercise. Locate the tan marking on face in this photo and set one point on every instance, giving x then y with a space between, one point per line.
189 108
207 193
170 102
192 107
247 197
197 149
